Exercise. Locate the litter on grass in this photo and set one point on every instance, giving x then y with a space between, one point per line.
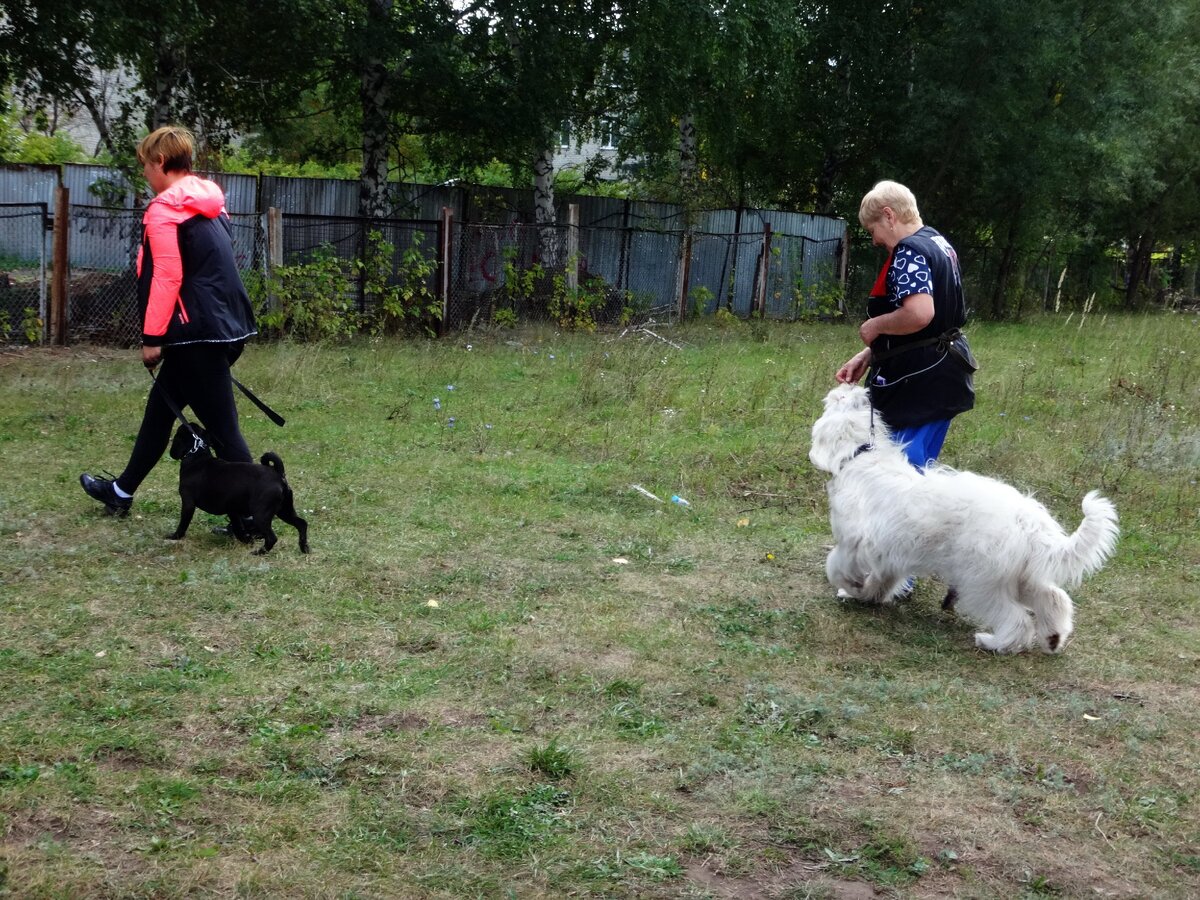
645 493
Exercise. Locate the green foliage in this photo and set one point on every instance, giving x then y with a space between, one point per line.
519 284
31 326
316 300
311 300
504 317
44 149
725 318
506 825
700 297
552 760
405 304
820 299
575 308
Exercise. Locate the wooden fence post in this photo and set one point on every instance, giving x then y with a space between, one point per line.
61 262
274 223
274 238
685 269
572 247
764 269
445 261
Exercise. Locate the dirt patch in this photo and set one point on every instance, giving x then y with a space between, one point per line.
85 826
412 721
780 882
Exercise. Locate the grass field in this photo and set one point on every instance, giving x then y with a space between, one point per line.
503 672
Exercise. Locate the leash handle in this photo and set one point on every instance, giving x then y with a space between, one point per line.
271 414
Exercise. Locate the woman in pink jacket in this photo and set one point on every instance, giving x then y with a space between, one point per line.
196 314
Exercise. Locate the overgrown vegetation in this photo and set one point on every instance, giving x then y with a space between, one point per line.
328 297
505 672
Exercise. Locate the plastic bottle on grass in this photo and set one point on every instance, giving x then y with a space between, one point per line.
679 501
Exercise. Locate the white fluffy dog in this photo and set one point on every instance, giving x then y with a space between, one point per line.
1001 552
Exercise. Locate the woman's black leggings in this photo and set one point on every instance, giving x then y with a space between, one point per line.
195 375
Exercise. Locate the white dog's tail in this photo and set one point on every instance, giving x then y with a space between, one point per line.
1092 543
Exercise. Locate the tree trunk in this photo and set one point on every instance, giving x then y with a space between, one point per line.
1004 271
373 99
169 66
827 182
1138 268
688 157
543 209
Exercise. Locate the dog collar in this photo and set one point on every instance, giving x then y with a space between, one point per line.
863 448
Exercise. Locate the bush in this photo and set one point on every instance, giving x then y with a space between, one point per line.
315 300
309 301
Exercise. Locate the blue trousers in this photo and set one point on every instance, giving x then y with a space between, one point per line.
922 443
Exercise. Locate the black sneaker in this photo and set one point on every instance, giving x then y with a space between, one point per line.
102 489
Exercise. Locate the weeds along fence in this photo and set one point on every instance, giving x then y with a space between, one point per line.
24 230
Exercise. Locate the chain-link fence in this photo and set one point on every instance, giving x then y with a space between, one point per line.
23 267
484 274
102 290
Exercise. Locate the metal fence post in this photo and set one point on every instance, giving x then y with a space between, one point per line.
58 287
843 265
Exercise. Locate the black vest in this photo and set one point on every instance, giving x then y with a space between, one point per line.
924 384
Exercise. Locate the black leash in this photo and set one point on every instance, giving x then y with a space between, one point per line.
271 414
171 405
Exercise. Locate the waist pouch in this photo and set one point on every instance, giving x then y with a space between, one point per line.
952 342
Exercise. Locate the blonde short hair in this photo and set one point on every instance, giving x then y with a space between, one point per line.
893 194
173 143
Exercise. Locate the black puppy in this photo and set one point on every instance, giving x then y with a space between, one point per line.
240 490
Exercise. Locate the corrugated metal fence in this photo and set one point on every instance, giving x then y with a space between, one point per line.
770 261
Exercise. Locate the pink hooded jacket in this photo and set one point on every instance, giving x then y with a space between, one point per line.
188 281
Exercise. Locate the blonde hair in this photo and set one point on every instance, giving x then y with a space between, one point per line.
893 194
173 143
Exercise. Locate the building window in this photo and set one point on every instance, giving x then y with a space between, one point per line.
608 135
564 138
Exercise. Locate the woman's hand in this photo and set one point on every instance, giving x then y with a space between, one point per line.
151 356
855 368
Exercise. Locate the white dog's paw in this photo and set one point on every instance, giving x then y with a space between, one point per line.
985 641
1054 643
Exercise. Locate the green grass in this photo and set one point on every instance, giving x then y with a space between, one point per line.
504 672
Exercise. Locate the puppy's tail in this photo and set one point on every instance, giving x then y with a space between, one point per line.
1091 545
272 460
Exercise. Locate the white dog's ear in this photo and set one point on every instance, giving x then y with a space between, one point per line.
847 396
827 452
819 455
